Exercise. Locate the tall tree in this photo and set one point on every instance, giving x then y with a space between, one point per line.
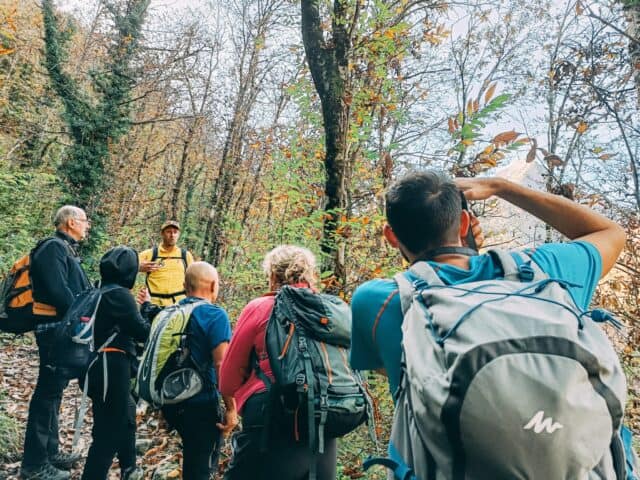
256 20
99 117
328 62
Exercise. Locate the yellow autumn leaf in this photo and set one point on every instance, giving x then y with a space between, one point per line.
175 473
467 141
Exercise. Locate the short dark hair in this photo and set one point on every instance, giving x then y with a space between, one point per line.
423 209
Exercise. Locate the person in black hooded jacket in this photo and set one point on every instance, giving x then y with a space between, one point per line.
114 409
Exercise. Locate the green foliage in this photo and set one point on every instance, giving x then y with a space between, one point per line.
475 121
98 118
10 438
25 213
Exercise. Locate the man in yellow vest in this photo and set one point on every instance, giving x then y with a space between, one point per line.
165 265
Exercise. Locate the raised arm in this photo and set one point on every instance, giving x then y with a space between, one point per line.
575 221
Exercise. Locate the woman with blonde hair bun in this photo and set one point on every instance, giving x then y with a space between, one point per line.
281 457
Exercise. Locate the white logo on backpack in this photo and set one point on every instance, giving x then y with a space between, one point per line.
538 423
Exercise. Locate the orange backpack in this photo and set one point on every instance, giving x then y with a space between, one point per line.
18 309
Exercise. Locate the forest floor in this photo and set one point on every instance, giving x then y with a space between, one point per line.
158 451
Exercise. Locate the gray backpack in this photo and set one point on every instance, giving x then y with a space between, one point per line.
504 379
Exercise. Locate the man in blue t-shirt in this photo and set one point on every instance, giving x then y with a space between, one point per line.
424 213
197 419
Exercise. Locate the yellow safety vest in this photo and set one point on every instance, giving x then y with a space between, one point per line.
166 285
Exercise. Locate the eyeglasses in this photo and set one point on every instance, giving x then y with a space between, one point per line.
86 220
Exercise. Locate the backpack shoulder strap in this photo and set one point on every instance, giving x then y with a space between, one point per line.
521 270
46 240
426 272
523 258
184 257
405 290
154 253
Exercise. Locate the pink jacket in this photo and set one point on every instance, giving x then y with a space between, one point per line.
237 377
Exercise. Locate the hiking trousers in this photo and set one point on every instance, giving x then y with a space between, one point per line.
41 436
114 418
284 458
196 424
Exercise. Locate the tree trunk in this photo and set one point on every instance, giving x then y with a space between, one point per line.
328 65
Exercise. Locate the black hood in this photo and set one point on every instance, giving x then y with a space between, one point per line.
119 265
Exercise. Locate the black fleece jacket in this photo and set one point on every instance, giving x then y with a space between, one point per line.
56 273
118 310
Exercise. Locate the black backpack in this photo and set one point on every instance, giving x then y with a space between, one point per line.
316 394
73 347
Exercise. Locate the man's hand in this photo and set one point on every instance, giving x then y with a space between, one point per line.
148 267
478 188
573 220
143 296
476 230
230 421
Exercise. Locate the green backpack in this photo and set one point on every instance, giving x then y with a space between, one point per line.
316 394
167 372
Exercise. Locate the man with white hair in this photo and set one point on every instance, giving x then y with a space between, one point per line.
56 277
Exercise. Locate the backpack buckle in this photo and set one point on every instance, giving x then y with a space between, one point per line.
302 344
300 378
324 402
525 272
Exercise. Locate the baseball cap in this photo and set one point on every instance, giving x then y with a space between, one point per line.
170 223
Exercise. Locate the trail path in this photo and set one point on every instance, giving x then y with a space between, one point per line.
158 451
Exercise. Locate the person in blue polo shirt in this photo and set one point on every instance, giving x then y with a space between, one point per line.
197 419
424 212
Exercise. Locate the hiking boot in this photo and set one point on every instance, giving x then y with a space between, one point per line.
64 461
44 472
132 473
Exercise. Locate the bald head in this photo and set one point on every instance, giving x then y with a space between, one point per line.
201 280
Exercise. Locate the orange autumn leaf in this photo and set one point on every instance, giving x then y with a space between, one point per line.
452 127
582 127
505 137
490 92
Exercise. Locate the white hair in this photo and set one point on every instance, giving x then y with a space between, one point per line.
65 213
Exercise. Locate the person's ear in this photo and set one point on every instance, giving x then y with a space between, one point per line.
465 224
390 235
